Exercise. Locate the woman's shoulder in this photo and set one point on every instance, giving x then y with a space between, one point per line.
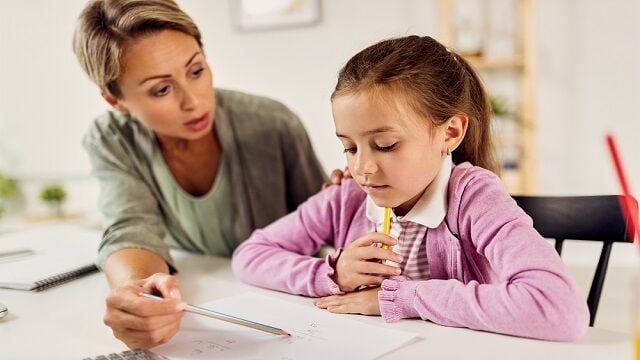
112 132
248 109
107 125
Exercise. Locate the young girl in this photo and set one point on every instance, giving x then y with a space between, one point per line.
414 122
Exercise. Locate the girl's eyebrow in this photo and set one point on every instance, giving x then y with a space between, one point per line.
370 132
167 75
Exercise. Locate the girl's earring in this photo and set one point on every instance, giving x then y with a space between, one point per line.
448 151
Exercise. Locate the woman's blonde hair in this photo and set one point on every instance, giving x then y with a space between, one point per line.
106 27
436 83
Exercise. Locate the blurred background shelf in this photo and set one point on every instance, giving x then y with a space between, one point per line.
498 38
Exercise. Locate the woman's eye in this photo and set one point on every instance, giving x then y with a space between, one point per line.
350 150
386 148
162 91
197 72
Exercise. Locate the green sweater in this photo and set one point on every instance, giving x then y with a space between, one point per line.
272 169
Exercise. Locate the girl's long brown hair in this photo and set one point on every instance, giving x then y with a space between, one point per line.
436 83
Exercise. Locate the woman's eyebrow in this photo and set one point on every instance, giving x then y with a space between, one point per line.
165 76
191 58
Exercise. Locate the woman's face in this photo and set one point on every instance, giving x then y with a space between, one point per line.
167 84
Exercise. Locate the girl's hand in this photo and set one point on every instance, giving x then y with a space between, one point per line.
360 263
336 177
143 323
363 302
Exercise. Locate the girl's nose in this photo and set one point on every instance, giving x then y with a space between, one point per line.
364 165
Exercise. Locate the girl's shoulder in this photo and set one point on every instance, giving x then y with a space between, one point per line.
465 174
469 183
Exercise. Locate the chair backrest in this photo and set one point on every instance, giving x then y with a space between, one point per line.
592 218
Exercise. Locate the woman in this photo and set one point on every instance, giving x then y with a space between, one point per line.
180 164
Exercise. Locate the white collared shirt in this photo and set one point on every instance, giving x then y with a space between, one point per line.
411 230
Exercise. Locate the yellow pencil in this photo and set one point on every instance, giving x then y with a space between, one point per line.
386 227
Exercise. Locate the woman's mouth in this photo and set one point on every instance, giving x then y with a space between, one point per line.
198 124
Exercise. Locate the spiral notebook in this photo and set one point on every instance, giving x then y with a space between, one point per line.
56 254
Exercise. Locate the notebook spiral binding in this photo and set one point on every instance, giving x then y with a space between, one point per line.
64 277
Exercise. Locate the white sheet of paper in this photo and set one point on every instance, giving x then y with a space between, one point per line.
315 333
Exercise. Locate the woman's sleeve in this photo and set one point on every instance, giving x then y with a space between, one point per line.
534 297
280 257
131 215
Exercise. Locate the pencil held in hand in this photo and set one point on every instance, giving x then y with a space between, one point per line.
386 228
226 317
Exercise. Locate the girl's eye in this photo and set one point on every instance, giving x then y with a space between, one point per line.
386 148
350 150
162 91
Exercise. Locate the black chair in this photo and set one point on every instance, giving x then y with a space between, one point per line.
592 218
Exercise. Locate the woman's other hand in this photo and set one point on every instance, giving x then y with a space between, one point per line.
336 177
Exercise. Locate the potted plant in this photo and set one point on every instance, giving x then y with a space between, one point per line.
8 190
54 196
506 127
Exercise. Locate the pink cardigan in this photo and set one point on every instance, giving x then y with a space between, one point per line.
490 269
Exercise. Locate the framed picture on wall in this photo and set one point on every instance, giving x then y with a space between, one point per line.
256 15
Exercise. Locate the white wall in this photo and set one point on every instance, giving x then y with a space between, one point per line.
588 81
589 84
299 66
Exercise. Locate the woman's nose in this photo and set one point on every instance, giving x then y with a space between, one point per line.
189 99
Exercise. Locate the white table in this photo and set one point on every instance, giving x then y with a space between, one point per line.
65 322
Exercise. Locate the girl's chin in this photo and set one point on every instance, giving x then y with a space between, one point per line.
384 202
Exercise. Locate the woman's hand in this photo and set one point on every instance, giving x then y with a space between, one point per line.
143 323
336 177
363 302
360 263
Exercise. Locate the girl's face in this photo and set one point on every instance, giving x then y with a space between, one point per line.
168 85
391 152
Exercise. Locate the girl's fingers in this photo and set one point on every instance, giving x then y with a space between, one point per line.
373 238
367 267
331 301
371 280
339 309
371 252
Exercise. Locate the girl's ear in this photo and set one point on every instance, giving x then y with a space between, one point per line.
114 102
455 129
